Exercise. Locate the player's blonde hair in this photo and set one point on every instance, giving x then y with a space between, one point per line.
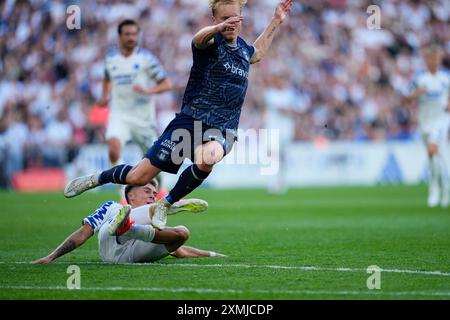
214 4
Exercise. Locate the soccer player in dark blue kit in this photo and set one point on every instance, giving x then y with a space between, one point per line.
205 129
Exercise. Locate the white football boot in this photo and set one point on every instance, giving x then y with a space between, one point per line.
81 184
159 218
121 223
433 196
188 205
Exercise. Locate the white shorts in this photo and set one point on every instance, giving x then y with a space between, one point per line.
436 134
124 130
127 250
285 128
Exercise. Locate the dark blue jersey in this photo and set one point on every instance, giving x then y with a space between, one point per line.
218 83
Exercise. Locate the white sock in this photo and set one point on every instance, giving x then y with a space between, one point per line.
435 167
141 232
443 172
121 190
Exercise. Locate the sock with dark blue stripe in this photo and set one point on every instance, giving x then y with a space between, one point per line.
117 175
190 179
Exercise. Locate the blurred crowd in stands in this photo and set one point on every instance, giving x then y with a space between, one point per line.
347 77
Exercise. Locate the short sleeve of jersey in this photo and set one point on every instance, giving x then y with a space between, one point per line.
153 66
209 49
107 76
99 217
109 54
412 85
251 50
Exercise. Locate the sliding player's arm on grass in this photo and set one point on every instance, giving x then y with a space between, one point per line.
75 240
264 41
191 252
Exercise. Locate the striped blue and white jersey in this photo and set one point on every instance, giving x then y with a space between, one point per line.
104 213
433 104
140 68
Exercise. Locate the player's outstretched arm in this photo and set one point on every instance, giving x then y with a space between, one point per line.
447 109
106 91
75 240
415 94
191 252
162 86
204 38
264 41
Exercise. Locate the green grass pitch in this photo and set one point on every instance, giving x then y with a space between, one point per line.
308 244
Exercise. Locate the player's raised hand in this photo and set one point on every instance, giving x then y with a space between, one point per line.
283 9
230 23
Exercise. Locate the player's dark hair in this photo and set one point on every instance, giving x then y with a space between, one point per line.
127 22
128 188
127 191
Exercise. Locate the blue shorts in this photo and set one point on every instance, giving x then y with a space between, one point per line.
179 140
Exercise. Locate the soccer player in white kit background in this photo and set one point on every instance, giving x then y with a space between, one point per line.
126 236
431 90
133 76
283 106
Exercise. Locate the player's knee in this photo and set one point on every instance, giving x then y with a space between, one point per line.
210 158
183 233
209 155
432 149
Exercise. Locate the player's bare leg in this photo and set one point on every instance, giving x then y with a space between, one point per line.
440 180
172 238
434 191
142 173
206 156
114 151
122 225
191 252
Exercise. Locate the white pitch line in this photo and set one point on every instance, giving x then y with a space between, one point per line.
234 291
250 266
